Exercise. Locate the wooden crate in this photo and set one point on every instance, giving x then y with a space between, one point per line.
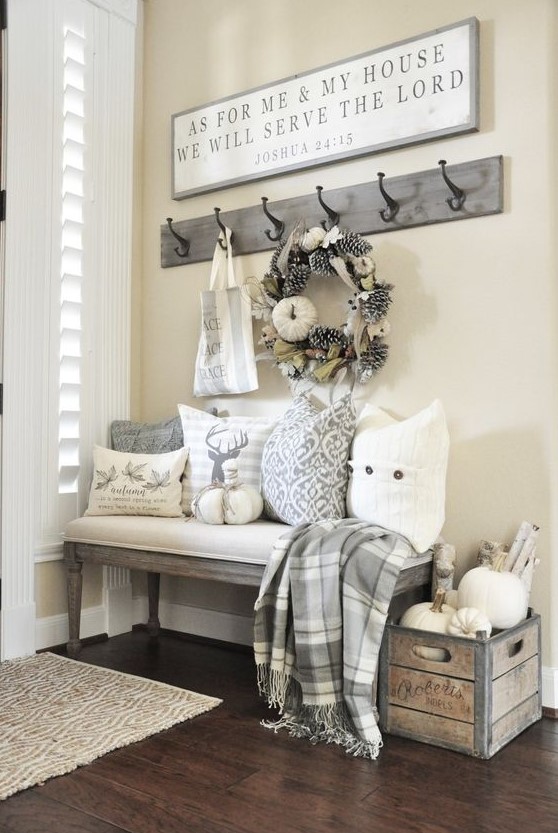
482 695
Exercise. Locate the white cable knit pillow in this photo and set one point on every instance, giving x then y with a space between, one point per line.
398 473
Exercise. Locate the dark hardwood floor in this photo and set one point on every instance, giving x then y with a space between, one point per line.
224 773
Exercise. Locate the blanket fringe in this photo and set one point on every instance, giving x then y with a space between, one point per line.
330 723
326 724
273 685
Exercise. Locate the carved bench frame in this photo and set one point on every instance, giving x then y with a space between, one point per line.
415 578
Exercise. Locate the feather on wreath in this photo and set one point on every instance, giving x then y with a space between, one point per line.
299 344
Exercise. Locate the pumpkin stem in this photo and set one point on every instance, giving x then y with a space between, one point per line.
439 600
293 315
230 470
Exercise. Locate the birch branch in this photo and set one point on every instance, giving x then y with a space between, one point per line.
526 551
522 535
488 552
443 567
527 574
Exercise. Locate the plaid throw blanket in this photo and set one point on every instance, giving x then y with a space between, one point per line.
319 621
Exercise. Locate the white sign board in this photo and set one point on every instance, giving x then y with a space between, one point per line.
413 91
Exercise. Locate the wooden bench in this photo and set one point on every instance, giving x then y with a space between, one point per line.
190 549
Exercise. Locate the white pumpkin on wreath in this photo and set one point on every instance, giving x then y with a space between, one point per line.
294 317
299 344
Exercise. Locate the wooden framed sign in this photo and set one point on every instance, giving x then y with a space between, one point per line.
413 91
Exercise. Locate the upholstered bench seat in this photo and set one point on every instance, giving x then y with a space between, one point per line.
183 536
184 547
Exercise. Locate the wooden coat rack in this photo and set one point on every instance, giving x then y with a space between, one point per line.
437 195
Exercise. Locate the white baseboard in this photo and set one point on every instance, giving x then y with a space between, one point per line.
118 604
230 627
214 624
550 687
16 631
53 630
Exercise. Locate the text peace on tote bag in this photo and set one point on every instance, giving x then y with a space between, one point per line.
225 362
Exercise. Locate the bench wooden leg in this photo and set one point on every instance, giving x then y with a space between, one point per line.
74 583
153 624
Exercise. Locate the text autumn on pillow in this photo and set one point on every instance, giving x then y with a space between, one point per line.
136 484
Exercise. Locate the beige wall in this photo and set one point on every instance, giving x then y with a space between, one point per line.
474 318
50 578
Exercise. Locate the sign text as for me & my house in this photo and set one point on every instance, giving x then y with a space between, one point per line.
410 92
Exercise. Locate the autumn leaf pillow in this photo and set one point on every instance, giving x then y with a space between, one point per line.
136 484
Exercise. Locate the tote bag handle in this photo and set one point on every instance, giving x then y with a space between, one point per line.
222 269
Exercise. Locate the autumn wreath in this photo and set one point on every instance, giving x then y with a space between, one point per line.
299 344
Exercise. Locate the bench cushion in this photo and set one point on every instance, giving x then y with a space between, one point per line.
182 536
249 543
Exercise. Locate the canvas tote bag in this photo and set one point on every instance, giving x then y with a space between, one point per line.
225 362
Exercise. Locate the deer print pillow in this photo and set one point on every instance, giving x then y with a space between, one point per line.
212 440
136 484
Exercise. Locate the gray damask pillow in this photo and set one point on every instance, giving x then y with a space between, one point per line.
304 462
145 437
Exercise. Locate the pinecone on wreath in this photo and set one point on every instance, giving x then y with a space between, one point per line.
372 360
376 305
351 243
274 270
322 337
296 280
319 262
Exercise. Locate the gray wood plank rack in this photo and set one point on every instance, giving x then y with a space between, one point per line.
423 198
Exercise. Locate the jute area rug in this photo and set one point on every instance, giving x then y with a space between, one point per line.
57 714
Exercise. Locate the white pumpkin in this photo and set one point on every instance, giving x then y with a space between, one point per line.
230 502
502 596
293 317
312 238
207 504
451 598
468 621
429 616
245 504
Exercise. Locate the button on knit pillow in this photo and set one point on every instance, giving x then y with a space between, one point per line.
398 477
304 462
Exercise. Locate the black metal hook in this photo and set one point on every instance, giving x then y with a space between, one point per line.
390 213
459 196
184 248
279 224
223 229
334 217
